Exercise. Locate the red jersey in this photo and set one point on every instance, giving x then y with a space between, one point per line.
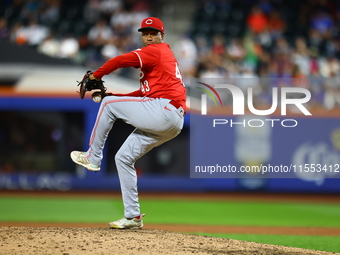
160 76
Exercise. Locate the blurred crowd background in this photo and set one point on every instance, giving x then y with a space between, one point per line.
226 38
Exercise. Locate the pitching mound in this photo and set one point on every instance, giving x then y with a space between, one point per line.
68 241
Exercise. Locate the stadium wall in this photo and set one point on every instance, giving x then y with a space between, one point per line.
314 140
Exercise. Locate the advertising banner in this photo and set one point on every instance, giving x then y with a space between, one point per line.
259 135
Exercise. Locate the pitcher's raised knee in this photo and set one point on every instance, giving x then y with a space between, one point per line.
122 158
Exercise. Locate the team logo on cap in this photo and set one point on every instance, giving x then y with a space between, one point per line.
148 22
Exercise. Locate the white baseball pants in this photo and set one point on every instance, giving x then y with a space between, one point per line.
156 121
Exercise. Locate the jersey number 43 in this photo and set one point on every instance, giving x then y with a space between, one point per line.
144 86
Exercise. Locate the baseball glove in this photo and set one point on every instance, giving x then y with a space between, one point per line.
89 82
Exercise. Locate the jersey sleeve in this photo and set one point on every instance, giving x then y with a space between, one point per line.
126 60
148 56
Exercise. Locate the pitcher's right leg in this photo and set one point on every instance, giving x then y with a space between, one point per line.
135 146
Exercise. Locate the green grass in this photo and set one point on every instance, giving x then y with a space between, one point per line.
60 210
172 212
242 213
103 210
322 243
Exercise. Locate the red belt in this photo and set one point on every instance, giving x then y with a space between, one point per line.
174 103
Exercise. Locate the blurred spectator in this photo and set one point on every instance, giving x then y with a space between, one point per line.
257 21
140 6
92 11
265 39
69 47
110 49
329 67
316 86
248 79
186 53
202 46
218 50
18 34
30 8
315 39
276 25
138 13
50 11
314 62
100 33
299 79
301 55
332 47
50 47
265 6
273 70
218 46
264 61
108 7
4 32
97 9
332 91
211 71
122 21
126 44
322 23
253 50
35 32
282 46
235 50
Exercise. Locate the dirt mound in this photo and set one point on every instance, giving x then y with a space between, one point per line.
69 241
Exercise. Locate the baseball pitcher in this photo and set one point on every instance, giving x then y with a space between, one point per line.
156 111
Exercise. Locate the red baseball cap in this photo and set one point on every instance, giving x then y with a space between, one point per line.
152 23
